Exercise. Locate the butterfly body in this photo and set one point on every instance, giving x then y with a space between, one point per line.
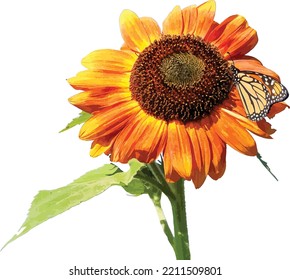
258 92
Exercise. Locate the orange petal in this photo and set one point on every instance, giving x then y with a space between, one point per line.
252 64
133 31
87 80
123 148
90 101
109 61
239 43
277 108
227 36
153 138
97 150
125 47
152 28
101 146
234 134
191 129
199 177
218 149
228 29
108 120
246 123
217 32
178 149
171 175
217 171
189 15
143 138
267 127
173 24
202 153
205 18
212 27
246 61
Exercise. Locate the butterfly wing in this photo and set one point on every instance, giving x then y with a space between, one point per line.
254 95
258 92
277 91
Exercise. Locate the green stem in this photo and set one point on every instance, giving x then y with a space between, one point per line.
181 242
175 194
156 199
163 221
158 173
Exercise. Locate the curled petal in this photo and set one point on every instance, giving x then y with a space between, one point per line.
267 127
97 149
277 108
102 145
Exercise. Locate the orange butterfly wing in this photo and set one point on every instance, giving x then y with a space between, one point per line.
258 92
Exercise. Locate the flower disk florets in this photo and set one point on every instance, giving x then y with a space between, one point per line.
180 78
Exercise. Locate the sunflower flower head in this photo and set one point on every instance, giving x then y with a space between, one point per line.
173 92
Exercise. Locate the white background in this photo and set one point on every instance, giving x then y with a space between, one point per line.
240 223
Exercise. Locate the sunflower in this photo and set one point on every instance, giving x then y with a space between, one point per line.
171 93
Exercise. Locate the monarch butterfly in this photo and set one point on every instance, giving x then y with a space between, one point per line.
258 92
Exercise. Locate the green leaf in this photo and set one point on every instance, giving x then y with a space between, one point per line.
141 183
50 203
265 165
83 116
135 187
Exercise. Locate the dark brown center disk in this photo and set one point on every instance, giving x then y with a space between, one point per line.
180 78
